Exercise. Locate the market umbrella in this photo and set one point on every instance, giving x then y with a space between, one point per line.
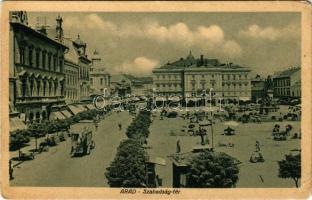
231 123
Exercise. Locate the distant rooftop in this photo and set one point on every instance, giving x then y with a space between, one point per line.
287 73
190 62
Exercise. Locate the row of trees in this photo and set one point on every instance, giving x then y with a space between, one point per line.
128 167
40 129
139 127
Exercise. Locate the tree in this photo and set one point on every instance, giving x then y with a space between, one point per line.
212 170
128 167
290 167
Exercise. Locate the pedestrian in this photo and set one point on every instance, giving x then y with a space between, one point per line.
10 170
95 124
178 150
257 146
120 126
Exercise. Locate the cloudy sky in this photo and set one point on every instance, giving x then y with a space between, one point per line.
136 43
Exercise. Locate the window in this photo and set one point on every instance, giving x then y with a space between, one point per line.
54 63
61 64
228 76
22 55
30 57
91 81
43 60
101 81
239 76
23 87
193 76
203 76
38 58
234 77
49 61
222 77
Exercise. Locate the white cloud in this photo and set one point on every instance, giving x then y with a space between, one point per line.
179 35
270 33
139 66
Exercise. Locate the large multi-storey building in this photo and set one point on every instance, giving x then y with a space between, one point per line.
192 77
36 69
287 83
99 78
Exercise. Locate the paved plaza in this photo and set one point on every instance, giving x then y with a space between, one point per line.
57 168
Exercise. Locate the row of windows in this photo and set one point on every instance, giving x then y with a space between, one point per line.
282 91
282 83
224 77
71 79
40 59
84 73
169 85
38 88
71 94
234 76
169 76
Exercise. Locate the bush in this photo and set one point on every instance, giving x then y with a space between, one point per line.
128 167
212 170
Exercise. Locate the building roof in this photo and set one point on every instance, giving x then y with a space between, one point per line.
190 63
287 73
36 33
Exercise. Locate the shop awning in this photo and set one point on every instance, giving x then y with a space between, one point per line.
74 109
17 123
244 98
57 115
66 113
81 107
174 99
90 106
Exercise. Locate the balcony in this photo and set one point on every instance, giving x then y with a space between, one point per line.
37 99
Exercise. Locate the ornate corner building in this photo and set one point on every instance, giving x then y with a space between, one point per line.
37 80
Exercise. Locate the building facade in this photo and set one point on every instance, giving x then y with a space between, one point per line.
99 78
36 69
71 70
287 83
192 77
76 58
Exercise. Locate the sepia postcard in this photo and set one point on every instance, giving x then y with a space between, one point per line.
156 99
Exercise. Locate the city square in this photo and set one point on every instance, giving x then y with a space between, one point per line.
191 107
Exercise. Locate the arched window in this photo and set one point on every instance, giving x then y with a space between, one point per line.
55 87
38 87
24 86
44 87
31 86
62 88
50 88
